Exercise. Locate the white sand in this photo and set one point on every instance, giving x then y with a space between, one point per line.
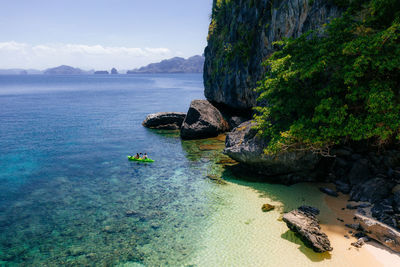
240 234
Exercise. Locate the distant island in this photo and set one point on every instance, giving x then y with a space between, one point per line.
64 70
193 64
174 65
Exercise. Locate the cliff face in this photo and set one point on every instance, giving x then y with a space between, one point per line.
241 36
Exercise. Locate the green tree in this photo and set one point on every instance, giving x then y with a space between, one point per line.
335 85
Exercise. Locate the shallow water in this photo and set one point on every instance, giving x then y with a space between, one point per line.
69 196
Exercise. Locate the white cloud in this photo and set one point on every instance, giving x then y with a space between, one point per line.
21 55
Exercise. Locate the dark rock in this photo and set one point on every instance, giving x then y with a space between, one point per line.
342 163
372 190
343 187
306 226
267 207
164 120
353 207
360 242
235 121
359 235
346 236
203 120
384 234
359 172
396 197
309 210
329 191
356 157
244 145
354 226
342 152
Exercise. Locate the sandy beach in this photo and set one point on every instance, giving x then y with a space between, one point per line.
242 235
371 254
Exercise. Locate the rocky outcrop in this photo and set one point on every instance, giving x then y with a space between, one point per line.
241 36
381 232
203 120
164 120
373 190
303 222
245 146
372 176
114 71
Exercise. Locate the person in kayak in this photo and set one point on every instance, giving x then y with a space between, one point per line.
137 156
145 156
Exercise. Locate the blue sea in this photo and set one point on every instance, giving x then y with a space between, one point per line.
70 197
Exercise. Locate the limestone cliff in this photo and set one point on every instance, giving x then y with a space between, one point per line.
241 36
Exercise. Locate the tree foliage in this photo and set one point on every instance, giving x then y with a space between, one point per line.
335 85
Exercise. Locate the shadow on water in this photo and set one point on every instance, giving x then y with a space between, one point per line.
315 257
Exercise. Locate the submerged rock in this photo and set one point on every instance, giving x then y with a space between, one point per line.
203 120
245 146
381 232
164 120
303 222
267 207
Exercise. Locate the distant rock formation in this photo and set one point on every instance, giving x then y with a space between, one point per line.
174 65
114 71
64 70
101 72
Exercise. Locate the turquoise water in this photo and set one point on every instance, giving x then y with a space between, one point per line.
65 182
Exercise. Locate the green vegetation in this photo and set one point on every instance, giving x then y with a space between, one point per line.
336 85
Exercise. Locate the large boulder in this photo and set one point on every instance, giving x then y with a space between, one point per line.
164 120
372 190
244 145
303 222
359 172
203 120
381 232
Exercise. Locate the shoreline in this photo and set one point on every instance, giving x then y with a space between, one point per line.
371 254
240 233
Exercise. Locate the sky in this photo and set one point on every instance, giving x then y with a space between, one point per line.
100 34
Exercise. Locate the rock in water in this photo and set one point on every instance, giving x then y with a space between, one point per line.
303 222
203 120
381 232
245 146
164 120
